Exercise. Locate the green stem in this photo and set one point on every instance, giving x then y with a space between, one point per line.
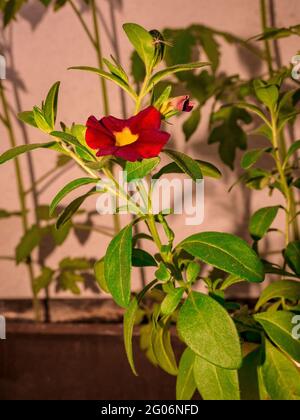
22 196
98 47
96 43
142 94
84 25
151 223
99 57
154 232
264 22
280 138
285 187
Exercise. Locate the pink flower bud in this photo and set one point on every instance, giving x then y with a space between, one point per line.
182 104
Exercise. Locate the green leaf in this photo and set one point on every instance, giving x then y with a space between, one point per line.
230 281
162 74
11 8
137 68
60 235
19 150
255 110
71 209
261 222
162 348
68 138
100 275
171 301
263 393
280 375
43 213
110 77
163 274
226 252
183 46
138 170
141 258
160 46
50 107
40 120
205 326
274 33
116 69
163 97
292 256
229 132
215 383
43 281
248 376
191 124
283 120
73 185
117 265
75 264
279 325
297 183
292 150
188 165
70 281
29 242
252 156
59 4
275 269
27 117
79 131
206 168
268 95
128 325
185 384
192 272
211 47
146 342
142 41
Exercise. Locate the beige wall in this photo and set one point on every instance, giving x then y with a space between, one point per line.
42 52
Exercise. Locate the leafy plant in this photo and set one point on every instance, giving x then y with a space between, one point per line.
231 351
44 118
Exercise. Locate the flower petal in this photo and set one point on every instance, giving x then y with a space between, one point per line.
96 135
148 119
107 151
128 153
151 143
113 124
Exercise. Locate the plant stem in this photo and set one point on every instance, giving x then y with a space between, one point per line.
99 57
264 22
154 232
285 187
22 196
279 138
98 47
84 25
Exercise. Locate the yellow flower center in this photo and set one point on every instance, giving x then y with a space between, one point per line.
125 137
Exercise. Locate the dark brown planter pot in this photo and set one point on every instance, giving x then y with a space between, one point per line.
76 361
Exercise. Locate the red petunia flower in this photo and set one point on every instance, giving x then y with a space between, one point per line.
134 139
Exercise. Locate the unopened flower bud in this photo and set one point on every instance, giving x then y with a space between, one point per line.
160 46
176 105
